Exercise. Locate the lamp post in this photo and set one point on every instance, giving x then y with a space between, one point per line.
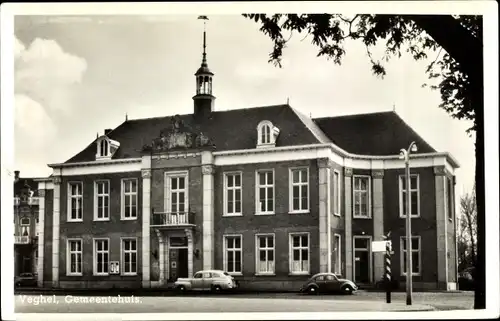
405 155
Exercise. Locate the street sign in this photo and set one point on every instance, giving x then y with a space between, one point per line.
379 246
114 267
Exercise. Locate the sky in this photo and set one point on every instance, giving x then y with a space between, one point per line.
76 76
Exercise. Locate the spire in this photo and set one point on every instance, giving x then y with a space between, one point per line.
204 59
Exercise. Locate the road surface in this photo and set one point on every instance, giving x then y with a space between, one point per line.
362 301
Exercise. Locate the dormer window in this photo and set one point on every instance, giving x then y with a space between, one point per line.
106 147
267 134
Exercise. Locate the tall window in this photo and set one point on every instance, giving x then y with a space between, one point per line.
299 253
415 195
337 267
74 257
75 202
265 134
449 193
129 256
232 255
25 226
265 192
129 199
415 255
101 256
104 148
265 254
101 205
336 193
361 194
232 194
178 194
299 190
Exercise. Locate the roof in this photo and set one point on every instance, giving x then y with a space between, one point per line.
376 134
228 130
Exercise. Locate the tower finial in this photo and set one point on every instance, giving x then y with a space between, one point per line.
204 60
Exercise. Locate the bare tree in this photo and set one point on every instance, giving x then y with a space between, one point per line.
467 233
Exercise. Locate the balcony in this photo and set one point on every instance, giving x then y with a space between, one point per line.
21 239
162 219
32 201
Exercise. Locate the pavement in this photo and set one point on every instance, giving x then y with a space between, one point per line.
256 302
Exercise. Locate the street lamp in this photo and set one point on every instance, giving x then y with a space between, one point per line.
405 155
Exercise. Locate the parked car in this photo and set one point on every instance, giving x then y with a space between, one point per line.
212 280
328 283
25 279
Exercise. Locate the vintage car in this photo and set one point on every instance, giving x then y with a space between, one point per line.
212 280
328 283
25 279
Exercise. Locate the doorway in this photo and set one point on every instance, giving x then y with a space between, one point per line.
178 259
362 259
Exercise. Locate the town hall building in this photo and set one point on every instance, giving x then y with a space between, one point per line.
266 194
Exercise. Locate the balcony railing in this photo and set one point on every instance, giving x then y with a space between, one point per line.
172 219
17 201
21 239
31 201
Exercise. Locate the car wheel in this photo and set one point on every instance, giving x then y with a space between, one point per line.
347 289
216 289
312 290
181 289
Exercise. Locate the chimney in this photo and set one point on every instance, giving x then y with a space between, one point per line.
16 176
107 131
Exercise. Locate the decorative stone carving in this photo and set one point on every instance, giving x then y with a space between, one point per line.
323 162
377 173
179 136
146 173
56 179
41 193
207 169
160 235
347 171
189 234
439 171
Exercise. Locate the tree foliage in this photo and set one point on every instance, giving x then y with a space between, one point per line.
418 36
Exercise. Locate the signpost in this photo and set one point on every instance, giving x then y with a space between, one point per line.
385 246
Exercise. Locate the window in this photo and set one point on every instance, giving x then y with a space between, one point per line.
101 256
25 221
176 193
299 253
232 254
336 193
129 199
361 195
337 266
232 194
265 254
103 148
265 192
101 204
450 198
74 257
266 134
299 190
129 256
415 255
414 193
75 202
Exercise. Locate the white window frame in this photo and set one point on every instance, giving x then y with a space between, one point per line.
300 184
96 200
402 190
367 249
123 198
167 204
337 204
262 127
402 253
106 148
68 256
267 248
338 260
70 197
95 253
257 191
290 253
234 188
123 253
225 260
369 198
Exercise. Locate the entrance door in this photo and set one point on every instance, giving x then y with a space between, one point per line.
362 262
178 264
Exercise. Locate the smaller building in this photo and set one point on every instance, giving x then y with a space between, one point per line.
26 227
